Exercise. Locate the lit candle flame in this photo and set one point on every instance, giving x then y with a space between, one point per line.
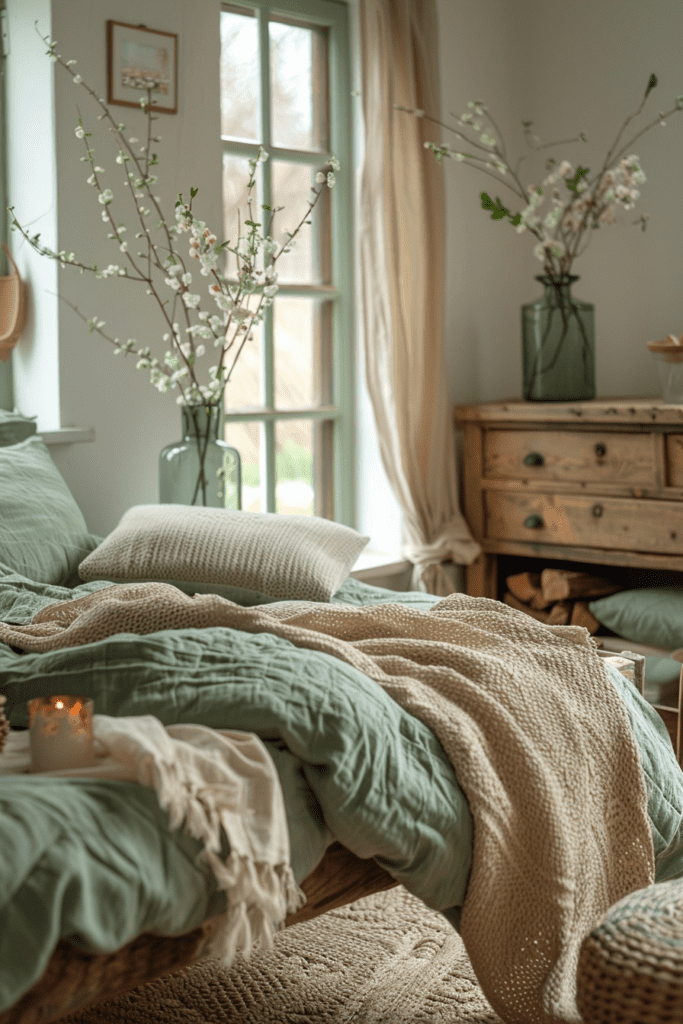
59 705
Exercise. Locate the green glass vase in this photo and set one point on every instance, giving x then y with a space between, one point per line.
201 469
558 344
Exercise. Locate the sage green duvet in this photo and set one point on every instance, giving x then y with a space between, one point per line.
94 861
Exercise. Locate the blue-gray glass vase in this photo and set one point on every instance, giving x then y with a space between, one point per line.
201 469
558 344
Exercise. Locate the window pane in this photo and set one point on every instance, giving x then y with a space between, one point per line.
298 84
294 467
246 438
235 194
240 76
302 373
309 260
243 390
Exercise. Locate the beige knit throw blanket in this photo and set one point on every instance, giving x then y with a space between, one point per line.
535 730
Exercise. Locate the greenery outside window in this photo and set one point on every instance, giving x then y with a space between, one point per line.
289 405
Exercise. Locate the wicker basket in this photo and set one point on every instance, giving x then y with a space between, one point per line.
12 309
74 979
631 964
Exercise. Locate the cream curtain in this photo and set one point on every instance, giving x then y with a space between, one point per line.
402 239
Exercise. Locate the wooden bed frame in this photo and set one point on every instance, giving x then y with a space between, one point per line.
74 979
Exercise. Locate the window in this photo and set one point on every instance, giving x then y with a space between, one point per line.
289 405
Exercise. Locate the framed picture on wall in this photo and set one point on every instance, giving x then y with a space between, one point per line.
137 58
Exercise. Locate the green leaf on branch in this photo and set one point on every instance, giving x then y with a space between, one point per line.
573 182
652 84
193 192
498 210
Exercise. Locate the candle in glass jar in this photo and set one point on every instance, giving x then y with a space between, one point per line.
60 733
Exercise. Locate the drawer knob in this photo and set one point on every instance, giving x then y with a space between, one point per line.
597 511
533 522
533 459
600 450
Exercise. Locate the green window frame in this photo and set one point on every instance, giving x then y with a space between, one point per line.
332 417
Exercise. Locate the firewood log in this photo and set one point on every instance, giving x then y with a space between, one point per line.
565 585
526 587
521 607
560 613
582 616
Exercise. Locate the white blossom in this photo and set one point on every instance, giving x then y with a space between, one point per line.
552 246
607 216
106 196
552 218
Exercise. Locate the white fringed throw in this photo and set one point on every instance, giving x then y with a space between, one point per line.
206 779
537 734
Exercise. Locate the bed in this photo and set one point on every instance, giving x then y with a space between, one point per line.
371 796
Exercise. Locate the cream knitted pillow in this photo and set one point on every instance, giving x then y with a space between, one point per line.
248 557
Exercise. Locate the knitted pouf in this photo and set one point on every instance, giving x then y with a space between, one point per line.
631 964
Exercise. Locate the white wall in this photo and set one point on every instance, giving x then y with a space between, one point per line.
567 69
32 190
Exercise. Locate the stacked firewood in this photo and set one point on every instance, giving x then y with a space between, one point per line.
558 597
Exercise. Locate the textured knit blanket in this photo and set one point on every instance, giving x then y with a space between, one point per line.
535 730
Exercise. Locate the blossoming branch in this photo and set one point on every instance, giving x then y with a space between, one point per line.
587 202
161 261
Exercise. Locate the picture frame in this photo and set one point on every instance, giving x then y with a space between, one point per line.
136 57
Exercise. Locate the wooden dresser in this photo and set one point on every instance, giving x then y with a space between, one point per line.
597 482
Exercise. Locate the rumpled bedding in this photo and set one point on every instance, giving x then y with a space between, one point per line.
95 862
216 669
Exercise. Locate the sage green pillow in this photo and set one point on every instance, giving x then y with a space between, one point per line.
653 615
248 557
14 427
43 534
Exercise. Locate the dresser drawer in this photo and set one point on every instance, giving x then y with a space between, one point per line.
674 460
629 524
571 456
